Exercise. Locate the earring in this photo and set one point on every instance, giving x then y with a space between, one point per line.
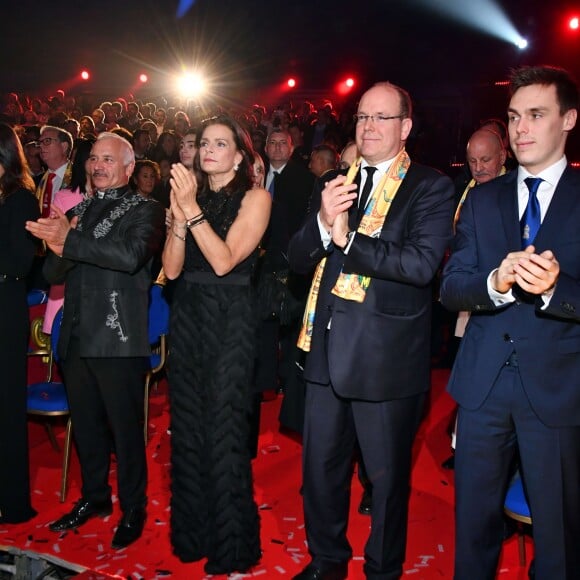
236 166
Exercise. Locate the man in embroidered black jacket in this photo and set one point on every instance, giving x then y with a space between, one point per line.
104 254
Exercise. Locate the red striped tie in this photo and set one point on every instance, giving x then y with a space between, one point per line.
47 197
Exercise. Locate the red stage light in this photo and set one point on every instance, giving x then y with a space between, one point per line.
345 85
143 78
85 75
574 23
291 83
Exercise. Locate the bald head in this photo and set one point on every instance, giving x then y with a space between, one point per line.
485 155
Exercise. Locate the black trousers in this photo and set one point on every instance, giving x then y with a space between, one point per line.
385 431
106 402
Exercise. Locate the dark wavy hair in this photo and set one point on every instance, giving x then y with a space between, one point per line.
82 151
16 172
242 180
140 164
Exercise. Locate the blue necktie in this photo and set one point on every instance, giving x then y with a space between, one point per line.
532 218
272 184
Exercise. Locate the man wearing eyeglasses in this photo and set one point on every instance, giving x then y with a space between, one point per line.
55 146
376 245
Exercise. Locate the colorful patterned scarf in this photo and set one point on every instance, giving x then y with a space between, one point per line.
354 286
469 187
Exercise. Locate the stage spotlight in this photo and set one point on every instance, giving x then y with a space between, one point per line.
85 75
191 85
345 86
184 6
574 23
291 82
521 43
143 78
485 15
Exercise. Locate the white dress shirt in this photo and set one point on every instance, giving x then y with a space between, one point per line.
382 168
270 176
551 177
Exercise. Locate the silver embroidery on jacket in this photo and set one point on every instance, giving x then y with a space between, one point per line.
129 200
104 226
113 319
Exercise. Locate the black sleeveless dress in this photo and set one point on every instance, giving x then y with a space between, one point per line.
213 326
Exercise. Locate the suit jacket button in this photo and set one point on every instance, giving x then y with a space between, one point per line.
507 337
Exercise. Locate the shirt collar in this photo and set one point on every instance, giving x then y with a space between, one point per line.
115 193
382 167
279 170
60 171
550 175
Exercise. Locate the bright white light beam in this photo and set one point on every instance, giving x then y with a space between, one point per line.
191 85
484 15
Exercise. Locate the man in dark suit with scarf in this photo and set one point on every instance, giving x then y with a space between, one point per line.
104 256
515 264
377 244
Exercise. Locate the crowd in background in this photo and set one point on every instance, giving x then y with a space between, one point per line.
245 184
156 129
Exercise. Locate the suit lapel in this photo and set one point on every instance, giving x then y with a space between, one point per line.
353 210
561 209
508 209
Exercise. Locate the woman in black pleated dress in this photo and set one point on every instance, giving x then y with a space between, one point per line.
218 219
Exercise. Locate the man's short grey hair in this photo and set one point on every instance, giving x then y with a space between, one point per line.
129 155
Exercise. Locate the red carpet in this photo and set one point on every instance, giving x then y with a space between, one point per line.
277 479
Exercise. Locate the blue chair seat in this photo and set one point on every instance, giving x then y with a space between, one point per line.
158 331
515 500
36 297
47 398
516 507
154 360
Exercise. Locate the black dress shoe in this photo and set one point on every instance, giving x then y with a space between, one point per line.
82 512
332 572
130 528
366 503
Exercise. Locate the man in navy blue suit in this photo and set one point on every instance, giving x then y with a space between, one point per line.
376 244
516 266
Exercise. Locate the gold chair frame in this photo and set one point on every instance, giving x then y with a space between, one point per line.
67 445
44 349
42 343
151 379
521 520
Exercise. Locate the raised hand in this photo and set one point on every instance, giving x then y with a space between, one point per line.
183 191
537 273
336 199
52 230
